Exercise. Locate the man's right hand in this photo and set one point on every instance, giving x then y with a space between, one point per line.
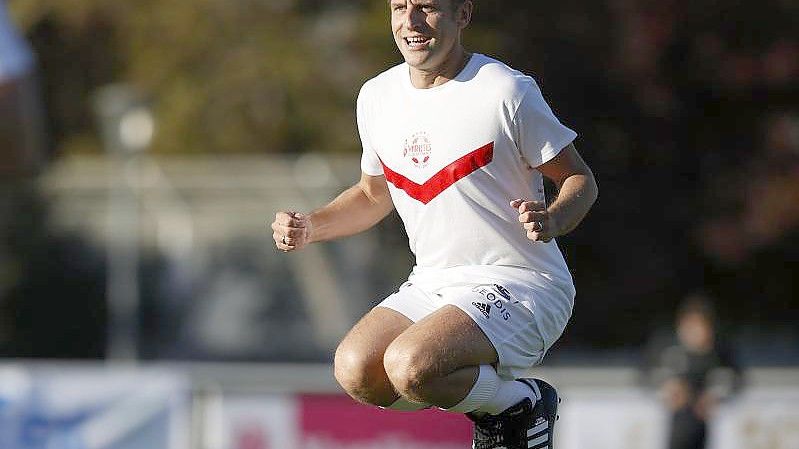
292 231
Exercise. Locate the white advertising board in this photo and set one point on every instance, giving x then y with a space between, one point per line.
93 409
763 418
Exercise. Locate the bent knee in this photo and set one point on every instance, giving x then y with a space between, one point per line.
362 377
351 368
408 369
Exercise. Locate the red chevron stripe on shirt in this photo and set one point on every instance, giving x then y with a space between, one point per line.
445 177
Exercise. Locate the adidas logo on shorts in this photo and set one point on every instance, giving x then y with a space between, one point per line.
502 291
485 309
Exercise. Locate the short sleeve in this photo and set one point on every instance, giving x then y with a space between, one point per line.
370 163
540 136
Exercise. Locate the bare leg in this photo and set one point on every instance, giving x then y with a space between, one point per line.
449 390
359 358
436 360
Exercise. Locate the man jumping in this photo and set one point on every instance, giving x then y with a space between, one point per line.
459 144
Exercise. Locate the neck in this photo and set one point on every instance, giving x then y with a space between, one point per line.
425 79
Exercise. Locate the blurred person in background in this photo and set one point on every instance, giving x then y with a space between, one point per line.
490 292
694 370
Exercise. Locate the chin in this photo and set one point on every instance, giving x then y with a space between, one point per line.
414 62
421 62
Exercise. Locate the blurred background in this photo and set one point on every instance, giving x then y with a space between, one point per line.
145 146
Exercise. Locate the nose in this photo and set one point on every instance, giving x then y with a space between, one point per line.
414 18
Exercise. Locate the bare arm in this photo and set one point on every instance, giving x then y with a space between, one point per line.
355 210
577 192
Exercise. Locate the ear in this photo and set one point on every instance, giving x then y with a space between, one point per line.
464 14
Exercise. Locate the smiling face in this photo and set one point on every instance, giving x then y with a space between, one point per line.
428 32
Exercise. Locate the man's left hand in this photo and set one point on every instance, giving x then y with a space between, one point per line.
536 221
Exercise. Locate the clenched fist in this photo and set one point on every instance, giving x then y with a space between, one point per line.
292 230
535 219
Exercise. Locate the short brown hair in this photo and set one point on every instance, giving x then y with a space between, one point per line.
455 3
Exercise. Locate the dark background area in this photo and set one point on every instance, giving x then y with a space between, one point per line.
688 113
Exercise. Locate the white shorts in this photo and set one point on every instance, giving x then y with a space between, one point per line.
521 320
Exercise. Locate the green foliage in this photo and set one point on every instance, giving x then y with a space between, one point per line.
223 75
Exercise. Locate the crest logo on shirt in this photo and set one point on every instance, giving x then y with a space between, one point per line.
418 149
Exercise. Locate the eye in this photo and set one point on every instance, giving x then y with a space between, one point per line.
398 8
428 8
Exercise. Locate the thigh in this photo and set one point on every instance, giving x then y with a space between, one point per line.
441 343
370 337
475 324
366 342
358 365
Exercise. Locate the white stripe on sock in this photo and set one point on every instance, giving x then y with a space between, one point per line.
536 441
536 390
538 428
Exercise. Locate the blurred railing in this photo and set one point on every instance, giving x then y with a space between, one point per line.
211 280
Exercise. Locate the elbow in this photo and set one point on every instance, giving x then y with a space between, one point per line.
378 197
586 185
593 188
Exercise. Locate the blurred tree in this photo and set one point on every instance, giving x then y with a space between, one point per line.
224 76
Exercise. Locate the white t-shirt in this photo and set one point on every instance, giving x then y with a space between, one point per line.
454 156
16 56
